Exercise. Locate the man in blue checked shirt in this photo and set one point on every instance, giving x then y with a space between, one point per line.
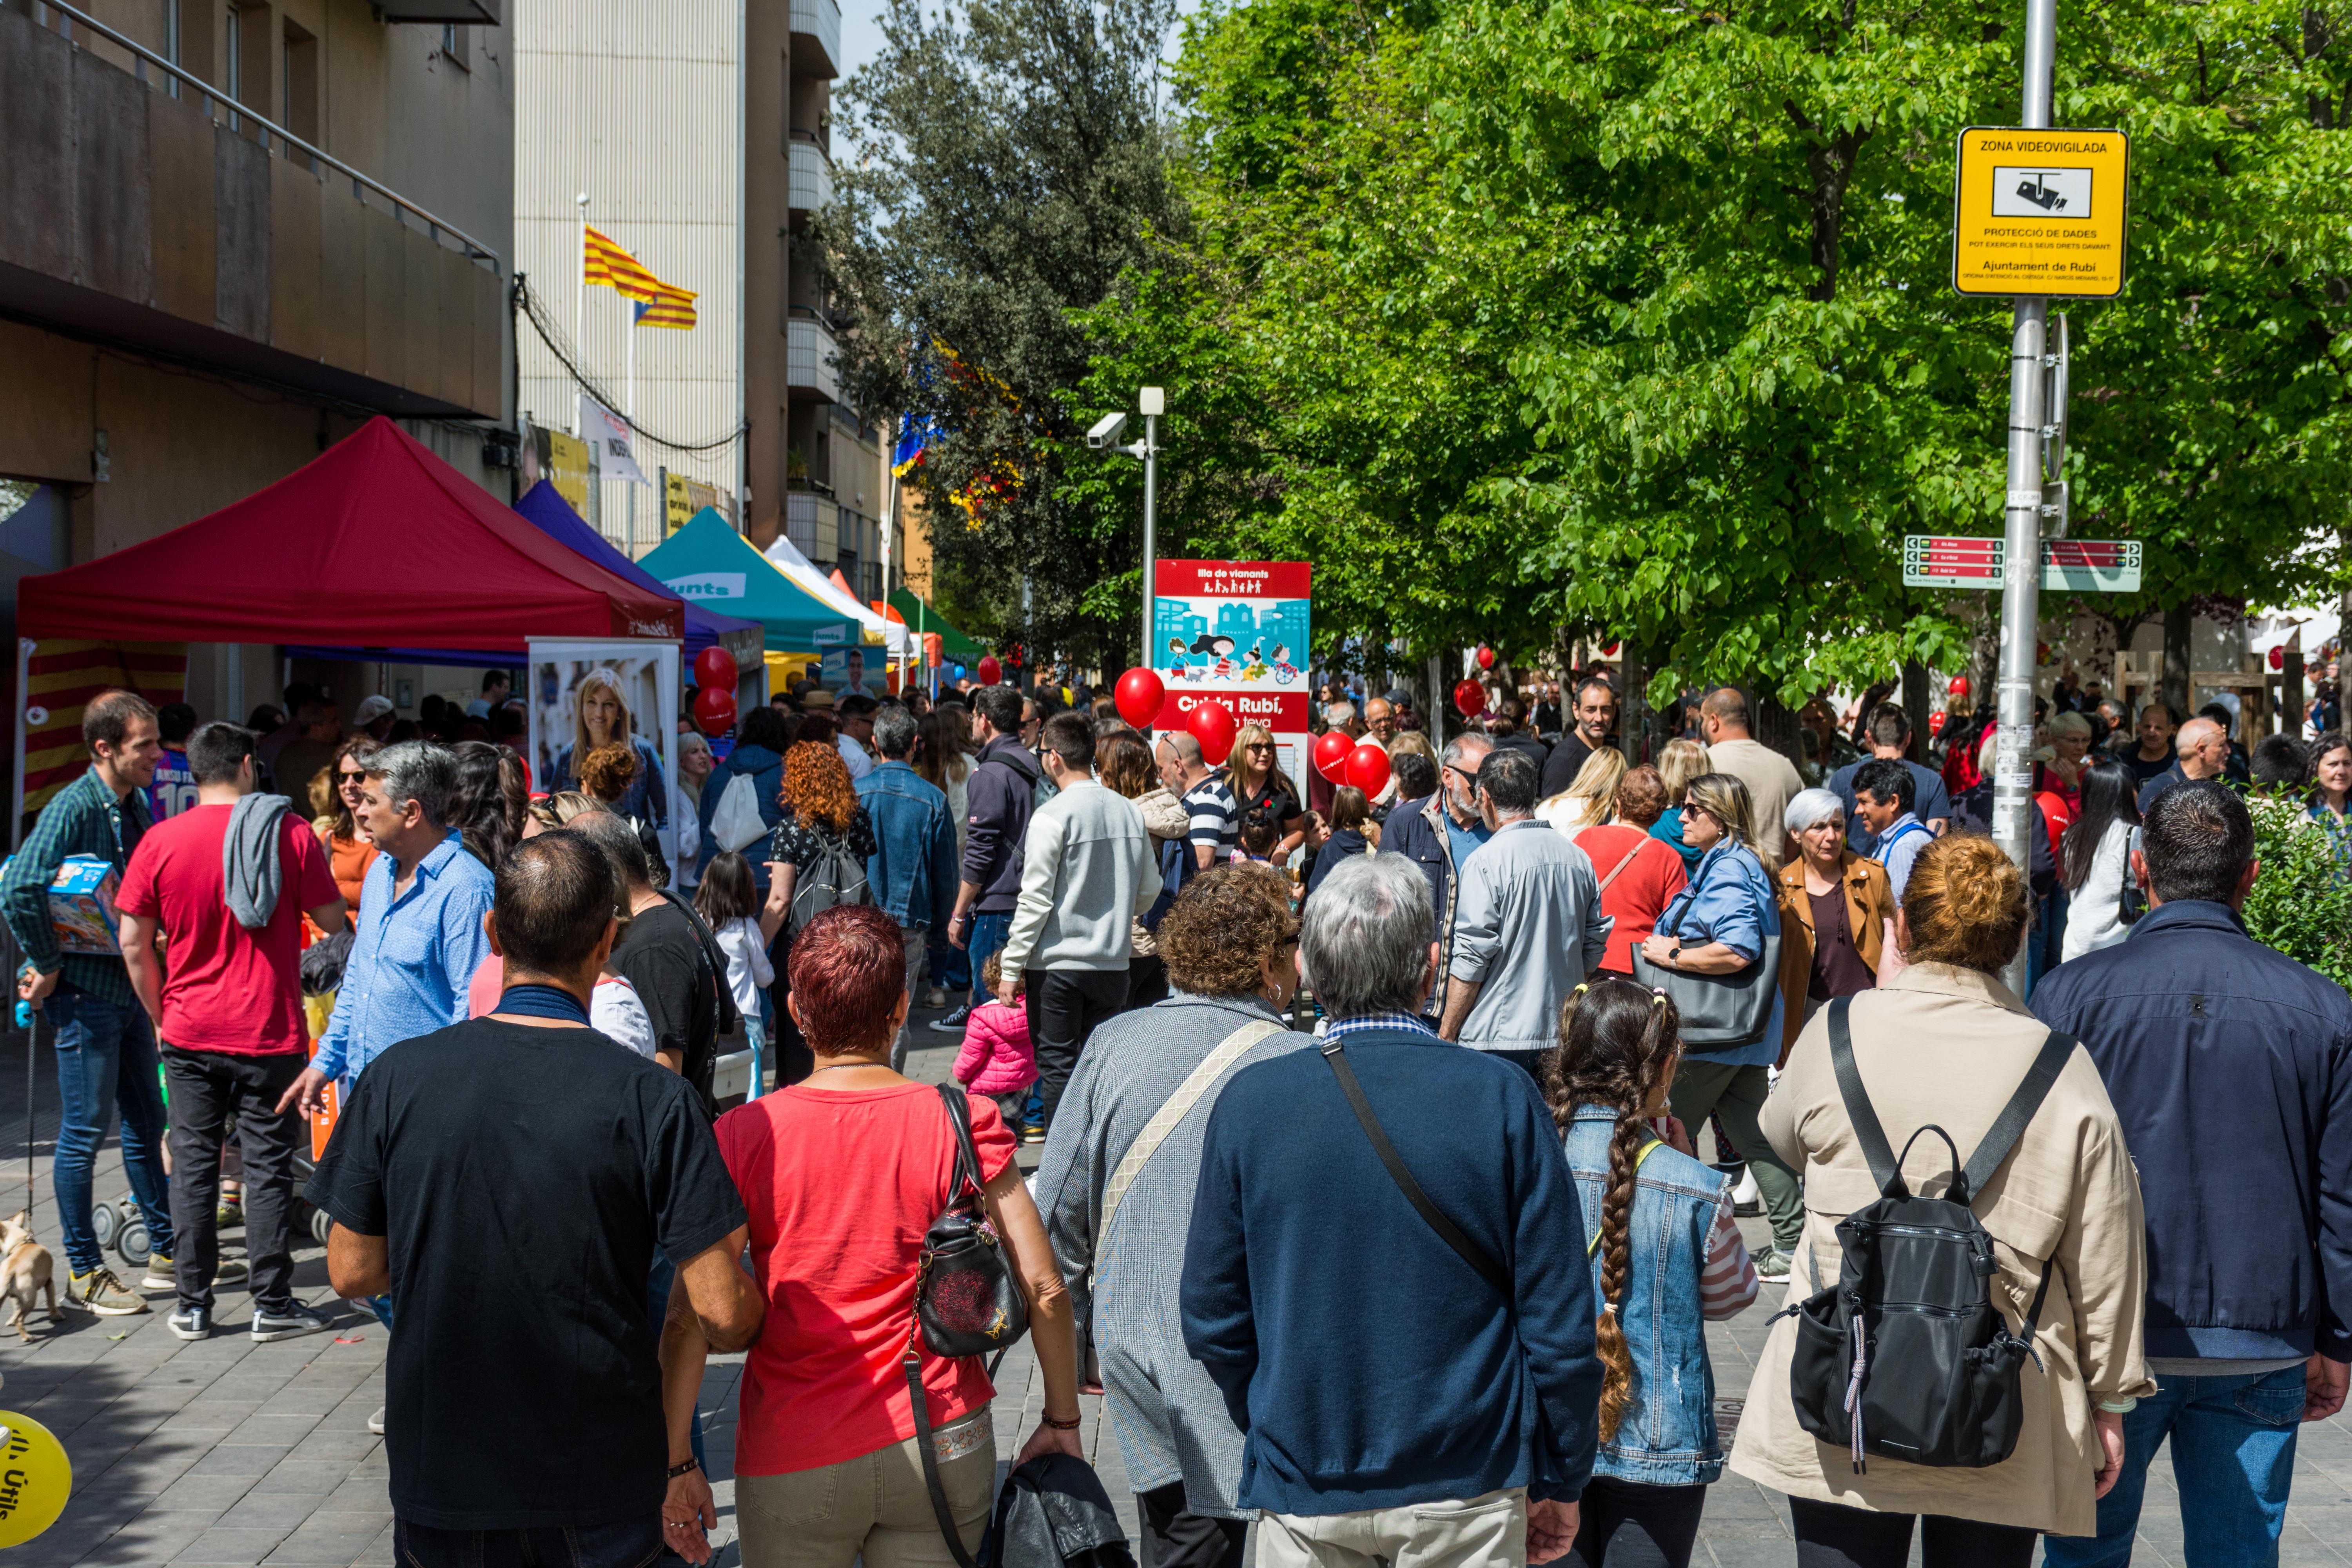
105 1044
420 932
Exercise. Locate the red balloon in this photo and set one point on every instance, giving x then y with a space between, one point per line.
1935 723
1608 652
1959 687
1140 695
1368 768
1214 725
1331 749
715 667
714 710
2278 656
1486 657
1471 698
989 671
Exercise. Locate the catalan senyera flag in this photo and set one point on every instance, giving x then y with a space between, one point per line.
66 673
659 304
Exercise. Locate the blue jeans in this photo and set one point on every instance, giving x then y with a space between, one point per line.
631 1545
2233 1457
106 1060
2047 939
989 934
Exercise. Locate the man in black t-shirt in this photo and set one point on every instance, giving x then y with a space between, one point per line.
509 1178
660 952
1594 719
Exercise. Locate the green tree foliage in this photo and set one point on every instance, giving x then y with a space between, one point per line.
1637 319
2301 903
1004 168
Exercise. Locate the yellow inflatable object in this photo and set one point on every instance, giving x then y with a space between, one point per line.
36 1478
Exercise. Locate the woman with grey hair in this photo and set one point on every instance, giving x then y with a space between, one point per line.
1837 914
1126 1144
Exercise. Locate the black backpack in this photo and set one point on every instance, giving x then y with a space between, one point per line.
1906 1355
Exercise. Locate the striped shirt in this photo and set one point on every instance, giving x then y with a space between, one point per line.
1214 821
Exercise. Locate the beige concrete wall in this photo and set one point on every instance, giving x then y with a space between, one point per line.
142 200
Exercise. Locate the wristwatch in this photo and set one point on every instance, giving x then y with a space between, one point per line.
1674 958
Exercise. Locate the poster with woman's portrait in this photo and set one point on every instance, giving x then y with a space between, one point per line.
603 721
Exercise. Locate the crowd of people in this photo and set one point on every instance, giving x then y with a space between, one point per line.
1431 1111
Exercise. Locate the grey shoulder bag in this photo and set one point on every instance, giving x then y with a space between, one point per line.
1719 1011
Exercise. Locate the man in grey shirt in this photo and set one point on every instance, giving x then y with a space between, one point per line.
1082 887
1527 926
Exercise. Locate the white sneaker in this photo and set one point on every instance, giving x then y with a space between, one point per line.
375 1422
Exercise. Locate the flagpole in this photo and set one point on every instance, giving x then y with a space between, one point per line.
629 324
580 305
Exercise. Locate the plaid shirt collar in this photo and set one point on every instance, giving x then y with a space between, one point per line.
1340 1028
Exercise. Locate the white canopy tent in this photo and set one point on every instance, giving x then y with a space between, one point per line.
785 556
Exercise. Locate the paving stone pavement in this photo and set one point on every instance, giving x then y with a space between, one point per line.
226 1452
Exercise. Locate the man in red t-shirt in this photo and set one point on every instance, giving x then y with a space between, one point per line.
225 884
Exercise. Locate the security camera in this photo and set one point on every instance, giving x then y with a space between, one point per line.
1107 431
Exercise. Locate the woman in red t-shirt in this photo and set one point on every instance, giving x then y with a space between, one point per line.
1639 875
842 1174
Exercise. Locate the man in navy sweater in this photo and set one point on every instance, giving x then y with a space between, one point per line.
2231 1065
1395 1403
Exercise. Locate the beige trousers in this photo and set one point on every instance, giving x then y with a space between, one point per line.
876 1504
1488 1532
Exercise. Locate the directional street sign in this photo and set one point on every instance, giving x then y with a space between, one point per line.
2039 213
2068 566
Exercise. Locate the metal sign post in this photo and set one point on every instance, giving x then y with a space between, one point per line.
2020 593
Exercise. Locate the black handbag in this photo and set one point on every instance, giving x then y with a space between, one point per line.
966 1300
1719 1012
1907 1356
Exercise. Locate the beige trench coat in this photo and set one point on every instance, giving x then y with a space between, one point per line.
1949 1046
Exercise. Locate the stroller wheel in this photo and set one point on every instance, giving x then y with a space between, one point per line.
319 1225
105 1221
131 1242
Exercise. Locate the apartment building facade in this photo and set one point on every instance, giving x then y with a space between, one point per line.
231 231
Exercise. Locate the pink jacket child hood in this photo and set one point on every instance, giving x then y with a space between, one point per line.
996 1058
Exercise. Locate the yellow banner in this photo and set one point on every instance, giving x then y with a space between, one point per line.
567 469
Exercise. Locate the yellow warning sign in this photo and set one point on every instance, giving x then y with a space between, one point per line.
2040 212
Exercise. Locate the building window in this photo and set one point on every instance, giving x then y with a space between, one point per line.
298 60
456 45
172 43
235 83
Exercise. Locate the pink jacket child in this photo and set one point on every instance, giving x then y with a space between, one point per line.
997 1057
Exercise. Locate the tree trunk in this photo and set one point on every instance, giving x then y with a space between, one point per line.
1915 703
1634 717
2178 620
1776 726
2291 695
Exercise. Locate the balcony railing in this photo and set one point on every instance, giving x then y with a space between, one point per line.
809 359
816 38
813 525
811 186
276 140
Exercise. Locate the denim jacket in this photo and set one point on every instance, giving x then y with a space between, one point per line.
912 873
1667 1437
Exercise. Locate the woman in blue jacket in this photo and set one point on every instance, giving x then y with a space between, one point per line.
1717 926
1667 1259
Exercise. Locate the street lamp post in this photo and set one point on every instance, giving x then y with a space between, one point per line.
2021 591
1154 402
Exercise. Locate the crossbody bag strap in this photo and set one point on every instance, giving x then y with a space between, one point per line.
1884 1170
913 1365
1615 870
1164 1121
1488 1268
1651 1147
967 1170
2011 1124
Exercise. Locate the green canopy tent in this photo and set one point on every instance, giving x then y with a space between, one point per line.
707 562
920 618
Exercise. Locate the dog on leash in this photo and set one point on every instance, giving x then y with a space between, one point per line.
26 1270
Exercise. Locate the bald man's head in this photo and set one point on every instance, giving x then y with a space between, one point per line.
2204 748
1379 717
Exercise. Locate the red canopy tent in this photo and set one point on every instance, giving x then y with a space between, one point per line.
376 544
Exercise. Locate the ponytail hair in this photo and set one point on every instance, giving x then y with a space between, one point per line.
1616 1039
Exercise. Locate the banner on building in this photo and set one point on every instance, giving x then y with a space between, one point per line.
612 436
1237 630
61 674
684 498
562 461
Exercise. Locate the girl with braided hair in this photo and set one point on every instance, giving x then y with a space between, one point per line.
1666 1258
